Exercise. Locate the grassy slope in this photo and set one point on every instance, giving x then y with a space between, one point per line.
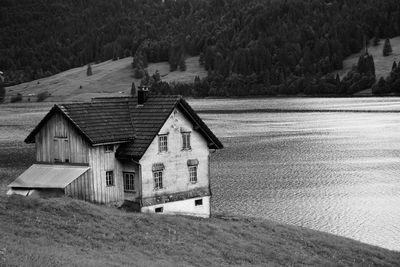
35 232
70 232
108 77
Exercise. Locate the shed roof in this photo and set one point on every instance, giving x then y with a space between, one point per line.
48 176
121 120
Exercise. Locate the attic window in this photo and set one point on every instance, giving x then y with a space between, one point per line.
109 148
186 141
162 143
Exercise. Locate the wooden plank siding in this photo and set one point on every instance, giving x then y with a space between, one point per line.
57 126
80 188
101 162
90 186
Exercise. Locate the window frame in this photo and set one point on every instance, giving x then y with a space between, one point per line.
186 141
158 179
159 210
110 181
193 174
131 183
198 202
61 143
108 150
162 144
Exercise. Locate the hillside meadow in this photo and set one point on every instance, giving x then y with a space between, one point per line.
67 232
112 77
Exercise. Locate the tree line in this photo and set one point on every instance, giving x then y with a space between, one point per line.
248 47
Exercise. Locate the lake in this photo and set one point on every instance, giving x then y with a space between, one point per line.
301 161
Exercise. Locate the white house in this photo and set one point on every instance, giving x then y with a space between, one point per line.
150 151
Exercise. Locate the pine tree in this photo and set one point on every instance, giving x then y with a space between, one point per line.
89 70
376 37
394 66
2 92
133 89
387 48
156 76
182 63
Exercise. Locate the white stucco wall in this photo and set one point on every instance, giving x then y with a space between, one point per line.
183 207
176 172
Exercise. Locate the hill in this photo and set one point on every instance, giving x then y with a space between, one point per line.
109 77
60 232
249 47
383 65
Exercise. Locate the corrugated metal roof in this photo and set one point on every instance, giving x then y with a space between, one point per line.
48 176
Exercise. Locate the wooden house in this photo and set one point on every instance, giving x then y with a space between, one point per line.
151 151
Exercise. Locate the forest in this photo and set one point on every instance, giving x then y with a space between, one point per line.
248 47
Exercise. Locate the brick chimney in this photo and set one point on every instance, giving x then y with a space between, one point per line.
142 94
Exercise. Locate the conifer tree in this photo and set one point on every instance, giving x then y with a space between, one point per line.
182 63
133 89
394 66
156 76
376 37
387 48
89 70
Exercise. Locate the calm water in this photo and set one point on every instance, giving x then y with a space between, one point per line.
329 171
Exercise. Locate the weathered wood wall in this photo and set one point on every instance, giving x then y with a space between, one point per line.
176 172
57 126
100 162
90 186
80 188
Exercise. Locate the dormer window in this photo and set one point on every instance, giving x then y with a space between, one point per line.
109 148
163 143
186 141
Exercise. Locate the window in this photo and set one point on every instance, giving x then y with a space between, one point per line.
186 141
109 178
162 143
109 148
61 149
193 174
159 209
198 202
129 181
158 176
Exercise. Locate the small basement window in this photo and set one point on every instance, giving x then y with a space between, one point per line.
159 210
109 178
109 148
198 202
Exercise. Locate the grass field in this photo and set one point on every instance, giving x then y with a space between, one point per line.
61 232
109 78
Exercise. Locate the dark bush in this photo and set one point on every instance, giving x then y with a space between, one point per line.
2 93
42 96
16 98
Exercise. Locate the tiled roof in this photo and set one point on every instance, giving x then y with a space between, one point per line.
121 120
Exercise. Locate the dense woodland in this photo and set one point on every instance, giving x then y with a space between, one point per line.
249 47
